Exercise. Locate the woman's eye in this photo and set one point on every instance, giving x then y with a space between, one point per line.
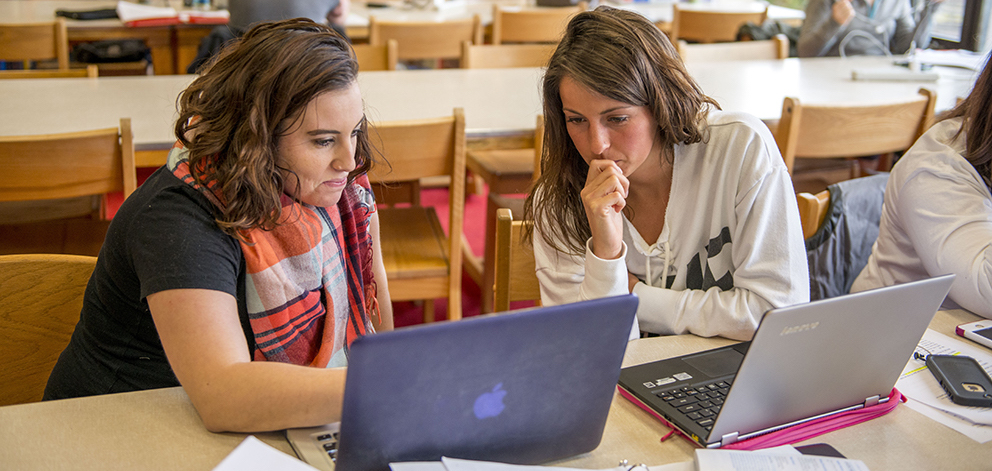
618 119
573 120
323 142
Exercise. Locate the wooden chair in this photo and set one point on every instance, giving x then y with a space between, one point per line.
53 187
421 262
490 56
711 25
91 71
775 48
516 275
509 173
812 210
41 296
426 40
32 42
531 25
839 131
383 57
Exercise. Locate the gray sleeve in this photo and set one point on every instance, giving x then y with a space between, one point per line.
819 31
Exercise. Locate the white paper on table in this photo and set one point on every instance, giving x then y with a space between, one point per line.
254 455
128 12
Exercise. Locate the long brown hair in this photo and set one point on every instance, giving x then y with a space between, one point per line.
625 57
977 124
232 116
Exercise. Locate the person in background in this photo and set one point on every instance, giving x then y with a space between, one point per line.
937 214
244 268
245 13
647 187
865 27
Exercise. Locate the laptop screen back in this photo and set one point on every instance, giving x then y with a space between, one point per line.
526 387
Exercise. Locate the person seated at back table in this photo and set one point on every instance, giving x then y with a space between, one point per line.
244 267
648 187
937 214
865 27
245 13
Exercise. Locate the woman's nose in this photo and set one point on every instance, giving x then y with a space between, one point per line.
599 139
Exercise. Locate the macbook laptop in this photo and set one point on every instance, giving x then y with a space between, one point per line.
805 361
525 387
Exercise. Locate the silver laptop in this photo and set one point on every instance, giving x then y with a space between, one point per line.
804 362
525 387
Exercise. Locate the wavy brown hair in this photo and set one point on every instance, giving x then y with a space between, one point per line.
977 124
250 95
625 57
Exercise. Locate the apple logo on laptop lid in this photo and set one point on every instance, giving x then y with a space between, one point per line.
490 404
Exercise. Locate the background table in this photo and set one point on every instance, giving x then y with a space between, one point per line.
500 104
160 430
173 47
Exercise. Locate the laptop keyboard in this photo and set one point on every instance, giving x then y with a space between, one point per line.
700 403
329 442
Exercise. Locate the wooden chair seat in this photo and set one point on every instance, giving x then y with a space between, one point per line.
421 261
411 243
41 296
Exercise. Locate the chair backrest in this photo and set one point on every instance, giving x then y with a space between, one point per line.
812 210
491 56
711 25
516 275
828 131
381 57
775 48
91 71
531 25
68 165
35 42
40 300
426 40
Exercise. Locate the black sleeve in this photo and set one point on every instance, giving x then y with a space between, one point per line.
176 244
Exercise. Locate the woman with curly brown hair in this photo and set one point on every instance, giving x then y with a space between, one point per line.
244 267
647 187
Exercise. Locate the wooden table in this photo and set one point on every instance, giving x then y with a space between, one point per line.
160 430
173 47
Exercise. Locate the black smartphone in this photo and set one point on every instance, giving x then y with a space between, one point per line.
963 378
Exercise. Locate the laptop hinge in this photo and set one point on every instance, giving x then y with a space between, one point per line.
728 439
871 401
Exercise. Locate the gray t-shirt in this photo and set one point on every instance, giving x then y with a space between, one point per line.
246 12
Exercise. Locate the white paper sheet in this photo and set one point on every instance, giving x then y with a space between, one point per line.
254 455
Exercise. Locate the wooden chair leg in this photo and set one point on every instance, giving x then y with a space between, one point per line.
428 311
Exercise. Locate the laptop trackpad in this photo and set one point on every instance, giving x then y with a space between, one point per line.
717 363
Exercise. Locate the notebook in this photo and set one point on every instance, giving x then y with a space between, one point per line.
805 362
525 387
